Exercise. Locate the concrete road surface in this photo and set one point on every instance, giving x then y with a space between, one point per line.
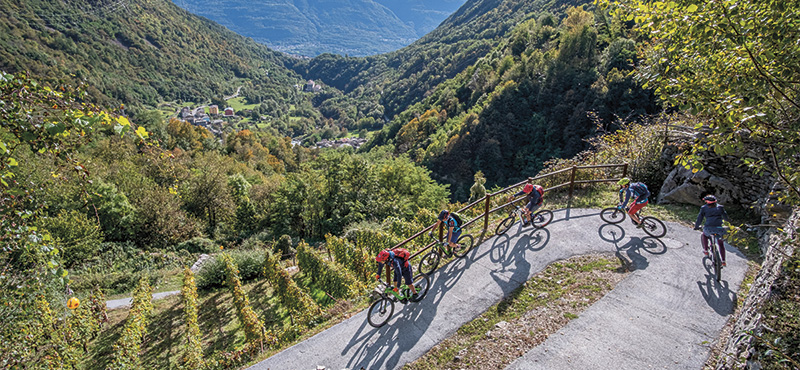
662 316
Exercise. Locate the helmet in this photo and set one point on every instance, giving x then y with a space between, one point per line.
624 181
383 255
443 214
710 199
528 188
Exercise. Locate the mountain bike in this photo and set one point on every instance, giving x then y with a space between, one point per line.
716 260
430 261
540 219
651 225
381 310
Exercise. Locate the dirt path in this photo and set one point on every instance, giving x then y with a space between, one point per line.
665 314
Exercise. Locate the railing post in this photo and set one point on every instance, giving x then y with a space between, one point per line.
571 183
486 212
625 169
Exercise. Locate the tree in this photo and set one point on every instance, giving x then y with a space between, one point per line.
733 63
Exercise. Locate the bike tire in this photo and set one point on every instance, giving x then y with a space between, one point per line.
429 262
504 225
465 243
422 283
612 215
653 227
716 261
542 218
380 312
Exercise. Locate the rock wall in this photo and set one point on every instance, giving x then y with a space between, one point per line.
725 177
739 351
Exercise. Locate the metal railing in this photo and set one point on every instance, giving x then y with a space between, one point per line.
487 199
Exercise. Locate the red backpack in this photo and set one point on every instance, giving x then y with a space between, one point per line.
402 253
539 189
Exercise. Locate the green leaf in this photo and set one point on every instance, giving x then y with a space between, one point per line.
12 162
692 8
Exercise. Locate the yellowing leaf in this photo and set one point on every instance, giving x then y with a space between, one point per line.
692 8
124 121
142 133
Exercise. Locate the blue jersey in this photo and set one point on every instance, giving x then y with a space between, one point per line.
713 216
637 190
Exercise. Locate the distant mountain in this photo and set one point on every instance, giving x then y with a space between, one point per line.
137 51
313 27
423 15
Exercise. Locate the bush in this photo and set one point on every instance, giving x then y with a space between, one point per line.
213 273
79 236
197 245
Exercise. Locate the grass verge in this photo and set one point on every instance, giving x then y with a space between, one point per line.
525 318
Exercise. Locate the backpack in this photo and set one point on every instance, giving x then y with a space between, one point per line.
540 189
641 189
457 217
402 253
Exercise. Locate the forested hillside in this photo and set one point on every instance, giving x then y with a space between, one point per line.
399 79
138 52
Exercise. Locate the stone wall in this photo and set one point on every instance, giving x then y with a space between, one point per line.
739 351
723 176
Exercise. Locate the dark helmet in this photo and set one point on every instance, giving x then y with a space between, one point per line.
443 214
710 199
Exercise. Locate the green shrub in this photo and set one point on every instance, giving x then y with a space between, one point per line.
197 245
79 236
213 272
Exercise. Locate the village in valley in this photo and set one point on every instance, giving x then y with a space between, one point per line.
215 119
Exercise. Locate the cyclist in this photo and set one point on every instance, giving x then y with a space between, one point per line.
636 191
397 259
713 214
535 197
453 223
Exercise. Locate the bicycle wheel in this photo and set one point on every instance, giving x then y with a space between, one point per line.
429 262
716 260
654 227
542 218
612 215
380 312
504 225
422 283
464 246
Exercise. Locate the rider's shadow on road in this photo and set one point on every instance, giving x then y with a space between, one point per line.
381 348
717 294
614 234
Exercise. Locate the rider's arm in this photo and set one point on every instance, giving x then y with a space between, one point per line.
518 194
700 216
380 267
724 214
627 196
430 232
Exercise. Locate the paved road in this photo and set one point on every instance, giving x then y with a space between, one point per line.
117 303
662 315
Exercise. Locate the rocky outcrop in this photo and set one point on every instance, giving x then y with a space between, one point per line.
739 351
725 177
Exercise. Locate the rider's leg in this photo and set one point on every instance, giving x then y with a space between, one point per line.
407 278
454 238
721 248
634 209
704 240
